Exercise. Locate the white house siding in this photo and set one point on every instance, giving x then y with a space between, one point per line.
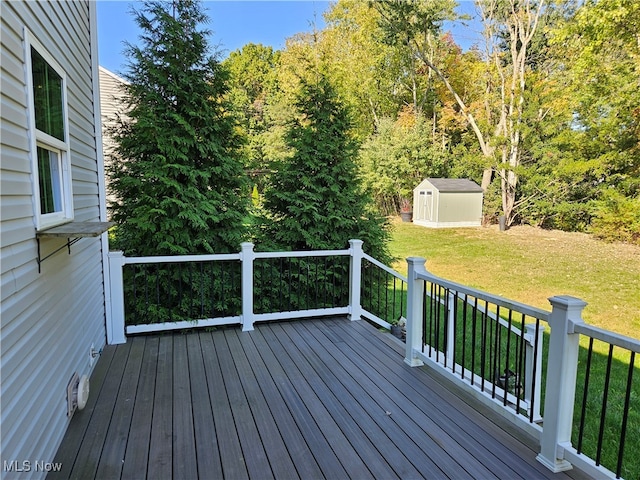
49 320
111 105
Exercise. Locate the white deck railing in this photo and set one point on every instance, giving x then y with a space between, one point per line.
565 322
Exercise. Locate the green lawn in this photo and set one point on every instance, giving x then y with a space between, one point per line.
530 265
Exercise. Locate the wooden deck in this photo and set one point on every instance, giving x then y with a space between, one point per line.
307 399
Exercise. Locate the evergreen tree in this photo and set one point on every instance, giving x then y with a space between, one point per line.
315 200
179 186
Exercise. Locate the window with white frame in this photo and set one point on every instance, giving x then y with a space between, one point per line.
49 137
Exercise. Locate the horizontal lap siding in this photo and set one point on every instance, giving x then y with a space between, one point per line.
49 319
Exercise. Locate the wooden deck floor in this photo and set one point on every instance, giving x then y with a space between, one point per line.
306 399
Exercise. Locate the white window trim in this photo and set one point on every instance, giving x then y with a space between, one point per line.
38 138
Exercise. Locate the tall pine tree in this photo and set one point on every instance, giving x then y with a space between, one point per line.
315 200
179 186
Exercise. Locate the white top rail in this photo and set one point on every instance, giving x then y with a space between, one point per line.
480 295
384 267
607 336
181 258
303 253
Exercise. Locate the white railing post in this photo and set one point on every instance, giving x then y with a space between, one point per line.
355 279
246 261
531 356
115 304
415 300
451 332
561 381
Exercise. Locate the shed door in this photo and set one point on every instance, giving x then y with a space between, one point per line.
425 205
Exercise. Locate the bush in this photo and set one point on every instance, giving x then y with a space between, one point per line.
617 218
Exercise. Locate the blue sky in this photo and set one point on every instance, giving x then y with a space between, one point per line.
234 24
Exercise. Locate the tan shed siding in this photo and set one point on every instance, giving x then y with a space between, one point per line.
49 319
459 207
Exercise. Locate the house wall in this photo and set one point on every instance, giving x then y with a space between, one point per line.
49 320
111 106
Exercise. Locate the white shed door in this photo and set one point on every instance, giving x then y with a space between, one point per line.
425 205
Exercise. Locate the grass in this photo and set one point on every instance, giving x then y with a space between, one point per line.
530 265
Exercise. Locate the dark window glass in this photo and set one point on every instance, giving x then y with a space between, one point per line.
47 95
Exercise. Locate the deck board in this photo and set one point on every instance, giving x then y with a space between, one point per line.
160 445
323 398
269 436
465 418
228 443
115 443
136 459
185 463
206 445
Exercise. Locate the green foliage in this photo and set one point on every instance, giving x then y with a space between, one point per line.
178 184
617 217
253 82
314 200
396 158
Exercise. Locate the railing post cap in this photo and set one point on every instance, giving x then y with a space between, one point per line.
567 302
246 245
355 241
416 260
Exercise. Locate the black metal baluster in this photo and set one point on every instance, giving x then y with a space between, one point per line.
474 339
318 286
135 297
605 397
158 287
213 278
445 325
147 292
483 350
424 314
585 396
625 414
201 289
181 291
224 288
520 365
281 270
534 372
386 294
496 353
402 296
464 335
455 331
432 313
508 360
393 312
191 292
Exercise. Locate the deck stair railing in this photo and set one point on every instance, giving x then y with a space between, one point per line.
523 362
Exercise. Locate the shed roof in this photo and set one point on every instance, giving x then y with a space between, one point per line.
455 185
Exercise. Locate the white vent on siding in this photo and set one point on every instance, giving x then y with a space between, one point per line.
77 393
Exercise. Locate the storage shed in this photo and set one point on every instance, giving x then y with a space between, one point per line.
447 202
